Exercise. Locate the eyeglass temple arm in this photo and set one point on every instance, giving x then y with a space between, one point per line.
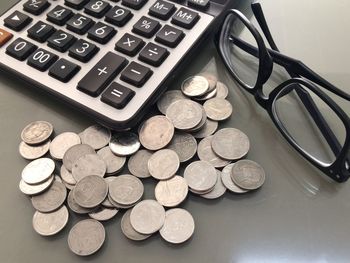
303 95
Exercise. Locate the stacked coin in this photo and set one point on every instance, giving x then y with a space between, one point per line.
90 164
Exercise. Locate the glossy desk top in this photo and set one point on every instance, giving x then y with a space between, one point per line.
297 216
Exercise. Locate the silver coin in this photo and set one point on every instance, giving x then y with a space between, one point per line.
168 98
206 153
37 132
113 162
49 224
138 163
96 136
38 171
163 164
227 180
126 189
74 153
62 142
172 192
221 90
89 164
200 176
178 226
147 217
103 213
184 144
124 144
72 204
156 133
211 78
35 189
230 144
119 206
67 176
218 190
208 129
185 114
128 230
57 178
30 152
248 175
201 192
200 125
218 109
90 191
206 96
195 86
106 202
86 237
51 199
68 186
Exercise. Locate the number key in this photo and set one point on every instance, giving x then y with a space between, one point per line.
20 49
97 8
101 33
42 59
76 4
79 24
118 16
83 50
40 31
36 7
59 15
61 41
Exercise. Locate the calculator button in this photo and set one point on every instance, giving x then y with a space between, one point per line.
200 4
76 4
20 49
169 36
79 24
59 15
117 95
4 37
101 33
61 41
41 31
129 45
134 4
162 10
185 18
136 74
64 70
146 27
97 8
17 21
36 7
83 50
153 54
102 74
118 16
41 59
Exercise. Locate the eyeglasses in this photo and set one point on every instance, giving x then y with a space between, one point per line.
320 132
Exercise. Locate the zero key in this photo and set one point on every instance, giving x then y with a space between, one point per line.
4 37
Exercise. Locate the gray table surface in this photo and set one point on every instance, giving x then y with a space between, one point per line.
297 216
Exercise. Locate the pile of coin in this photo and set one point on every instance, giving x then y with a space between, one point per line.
89 166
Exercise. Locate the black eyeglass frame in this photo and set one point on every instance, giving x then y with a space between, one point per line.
300 74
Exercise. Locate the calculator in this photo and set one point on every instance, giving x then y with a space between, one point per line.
109 59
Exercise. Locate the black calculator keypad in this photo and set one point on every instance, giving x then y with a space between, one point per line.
129 44
64 70
134 4
146 27
83 50
41 59
117 95
59 15
101 33
118 16
17 21
153 54
36 7
79 24
136 74
76 4
162 10
170 36
61 41
20 49
41 31
97 8
185 18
